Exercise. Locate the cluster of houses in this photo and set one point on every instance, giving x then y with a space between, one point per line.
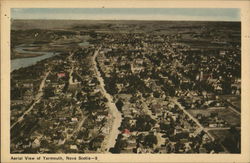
154 78
164 71
71 116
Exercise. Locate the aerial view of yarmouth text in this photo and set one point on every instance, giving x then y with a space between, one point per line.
125 86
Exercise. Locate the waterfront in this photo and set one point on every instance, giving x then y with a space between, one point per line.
25 62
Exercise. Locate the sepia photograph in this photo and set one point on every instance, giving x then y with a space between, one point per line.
124 80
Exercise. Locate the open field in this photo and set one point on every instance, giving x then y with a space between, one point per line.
219 134
234 100
225 114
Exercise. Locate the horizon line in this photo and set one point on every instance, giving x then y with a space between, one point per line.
132 20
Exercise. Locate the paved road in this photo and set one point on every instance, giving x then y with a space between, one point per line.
116 115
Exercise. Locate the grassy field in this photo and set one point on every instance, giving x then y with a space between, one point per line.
219 134
234 100
225 114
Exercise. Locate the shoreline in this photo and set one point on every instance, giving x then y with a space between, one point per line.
25 55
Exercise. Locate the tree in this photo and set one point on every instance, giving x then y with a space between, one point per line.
79 96
119 104
156 94
150 140
120 144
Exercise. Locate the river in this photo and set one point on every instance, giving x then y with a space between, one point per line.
30 49
25 62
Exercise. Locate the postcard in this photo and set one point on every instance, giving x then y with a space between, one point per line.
125 81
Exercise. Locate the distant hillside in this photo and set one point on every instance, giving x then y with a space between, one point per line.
66 24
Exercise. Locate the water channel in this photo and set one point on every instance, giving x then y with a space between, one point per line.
25 62
31 49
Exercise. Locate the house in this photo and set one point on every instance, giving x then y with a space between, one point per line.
187 146
212 125
73 147
79 140
60 75
132 122
74 119
61 141
222 52
36 143
100 118
47 81
126 133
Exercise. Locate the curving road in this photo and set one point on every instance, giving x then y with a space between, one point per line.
116 115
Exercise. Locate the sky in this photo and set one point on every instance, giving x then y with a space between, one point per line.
197 14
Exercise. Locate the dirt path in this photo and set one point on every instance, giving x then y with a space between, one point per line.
37 100
194 119
110 140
